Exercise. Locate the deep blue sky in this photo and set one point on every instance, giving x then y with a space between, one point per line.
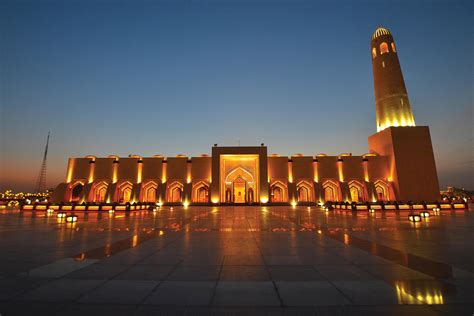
175 77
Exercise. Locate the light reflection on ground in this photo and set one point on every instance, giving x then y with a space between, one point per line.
289 248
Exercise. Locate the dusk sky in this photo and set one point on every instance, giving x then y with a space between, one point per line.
175 77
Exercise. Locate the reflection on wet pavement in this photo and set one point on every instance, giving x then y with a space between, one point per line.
298 256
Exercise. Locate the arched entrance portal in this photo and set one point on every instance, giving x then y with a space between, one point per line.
239 186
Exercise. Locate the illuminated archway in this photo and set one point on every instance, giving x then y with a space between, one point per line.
150 190
241 183
175 192
381 190
124 192
201 192
304 191
99 192
75 191
357 191
383 48
331 191
278 192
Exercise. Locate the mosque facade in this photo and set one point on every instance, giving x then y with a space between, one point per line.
399 164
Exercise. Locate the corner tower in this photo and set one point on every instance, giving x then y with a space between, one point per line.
391 98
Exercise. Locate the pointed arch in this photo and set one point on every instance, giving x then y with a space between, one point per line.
278 192
331 191
124 192
175 192
99 192
74 192
149 191
304 190
357 191
201 192
239 172
383 48
382 190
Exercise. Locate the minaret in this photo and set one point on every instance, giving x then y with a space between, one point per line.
391 98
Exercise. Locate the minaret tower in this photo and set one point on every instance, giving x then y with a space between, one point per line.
391 98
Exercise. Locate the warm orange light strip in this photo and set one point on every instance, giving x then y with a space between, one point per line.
340 171
91 172
315 171
114 172
188 172
139 172
290 172
365 164
163 176
70 169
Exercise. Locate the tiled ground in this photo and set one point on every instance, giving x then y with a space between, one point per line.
237 260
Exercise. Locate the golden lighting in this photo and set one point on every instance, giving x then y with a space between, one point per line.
290 172
111 211
70 168
91 172
414 218
264 200
49 211
188 172
293 203
427 295
139 171
425 214
365 164
163 175
215 200
114 172
315 171
340 171
61 215
71 219
371 210
185 204
161 233
134 241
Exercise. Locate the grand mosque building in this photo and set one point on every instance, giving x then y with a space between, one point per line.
399 165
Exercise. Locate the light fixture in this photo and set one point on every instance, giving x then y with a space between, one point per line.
371 210
71 219
186 204
61 215
414 218
111 211
50 211
293 203
425 214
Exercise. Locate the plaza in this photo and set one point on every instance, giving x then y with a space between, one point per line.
233 260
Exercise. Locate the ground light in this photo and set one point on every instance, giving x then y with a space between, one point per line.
425 214
371 210
61 215
71 219
414 218
49 211
111 211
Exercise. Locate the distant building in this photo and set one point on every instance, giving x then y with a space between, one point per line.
400 164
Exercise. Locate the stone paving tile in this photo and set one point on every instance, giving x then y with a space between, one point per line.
79 309
165 259
243 260
343 273
13 286
98 271
391 272
294 273
19 308
310 293
245 294
182 293
244 273
150 272
120 292
59 268
195 273
60 290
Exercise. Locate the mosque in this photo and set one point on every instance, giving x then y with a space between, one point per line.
399 165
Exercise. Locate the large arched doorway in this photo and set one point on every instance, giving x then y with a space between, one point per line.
241 184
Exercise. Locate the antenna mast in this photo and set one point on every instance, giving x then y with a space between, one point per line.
41 182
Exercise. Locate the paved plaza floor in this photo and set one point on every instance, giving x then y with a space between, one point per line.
245 260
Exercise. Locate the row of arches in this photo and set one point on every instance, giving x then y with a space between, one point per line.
149 192
331 192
